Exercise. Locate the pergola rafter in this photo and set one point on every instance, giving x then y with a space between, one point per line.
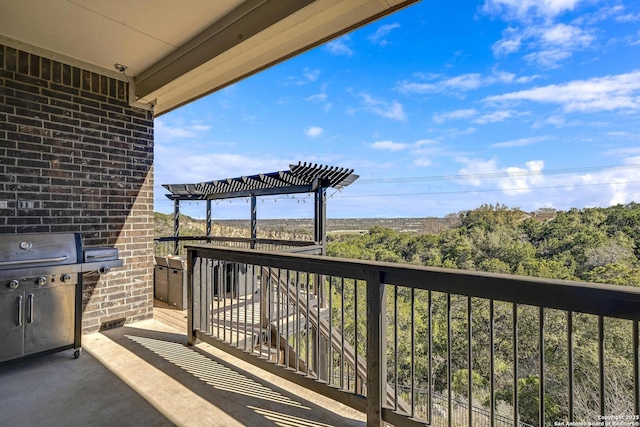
299 179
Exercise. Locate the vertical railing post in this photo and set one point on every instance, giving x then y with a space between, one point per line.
193 296
376 347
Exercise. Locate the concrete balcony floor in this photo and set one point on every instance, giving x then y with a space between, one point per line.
143 374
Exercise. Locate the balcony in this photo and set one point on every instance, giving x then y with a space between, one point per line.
274 338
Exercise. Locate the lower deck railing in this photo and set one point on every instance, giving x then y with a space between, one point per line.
414 345
164 246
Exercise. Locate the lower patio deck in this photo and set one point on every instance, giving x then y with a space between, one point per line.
145 374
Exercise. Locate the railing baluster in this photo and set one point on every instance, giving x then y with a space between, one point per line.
246 285
218 281
342 334
515 365
413 353
355 324
541 390
308 326
395 347
601 364
297 337
208 299
492 375
470 360
570 361
269 312
225 277
236 285
430 356
278 317
286 299
330 297
449 367
636 370
319 356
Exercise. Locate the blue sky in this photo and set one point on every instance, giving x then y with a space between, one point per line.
528 103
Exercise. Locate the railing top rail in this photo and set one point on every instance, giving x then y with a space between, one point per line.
239 240
600 299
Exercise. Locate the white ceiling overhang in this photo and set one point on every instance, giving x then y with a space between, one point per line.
178 51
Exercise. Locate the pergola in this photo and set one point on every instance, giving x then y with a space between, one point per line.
300 178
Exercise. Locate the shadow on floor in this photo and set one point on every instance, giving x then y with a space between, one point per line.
58 390
245 397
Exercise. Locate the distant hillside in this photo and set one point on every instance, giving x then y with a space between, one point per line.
301 229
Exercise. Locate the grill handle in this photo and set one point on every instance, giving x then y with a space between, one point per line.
108 255
19 322
35 261
30 307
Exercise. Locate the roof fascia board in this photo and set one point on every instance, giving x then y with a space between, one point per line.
243 22
204 90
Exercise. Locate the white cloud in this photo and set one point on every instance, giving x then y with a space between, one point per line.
313 131
311 75
165 133
318 97
389 145
618 92
525 10
520 180
532 26
629 17
566 35
455 115
422 162
339 46
495 117
388 109
378 37
510 42
475 168
511 180
520 142
555 120
308 76
549 58
458 84
417 147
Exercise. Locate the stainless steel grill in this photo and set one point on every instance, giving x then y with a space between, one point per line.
41 291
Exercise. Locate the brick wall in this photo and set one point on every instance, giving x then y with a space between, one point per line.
74 156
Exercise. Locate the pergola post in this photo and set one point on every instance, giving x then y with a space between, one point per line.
208 218
176 226
254 221
320 218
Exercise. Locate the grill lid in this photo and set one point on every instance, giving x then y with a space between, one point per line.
39 249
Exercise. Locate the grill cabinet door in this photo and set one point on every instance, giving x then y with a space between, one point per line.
49 318
11 326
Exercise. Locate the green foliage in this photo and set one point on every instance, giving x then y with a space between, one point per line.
593 244
599 245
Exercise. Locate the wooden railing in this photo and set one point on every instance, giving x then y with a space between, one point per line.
414 345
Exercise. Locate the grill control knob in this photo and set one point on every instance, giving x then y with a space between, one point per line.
41 281
65 278
104 269
13 284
